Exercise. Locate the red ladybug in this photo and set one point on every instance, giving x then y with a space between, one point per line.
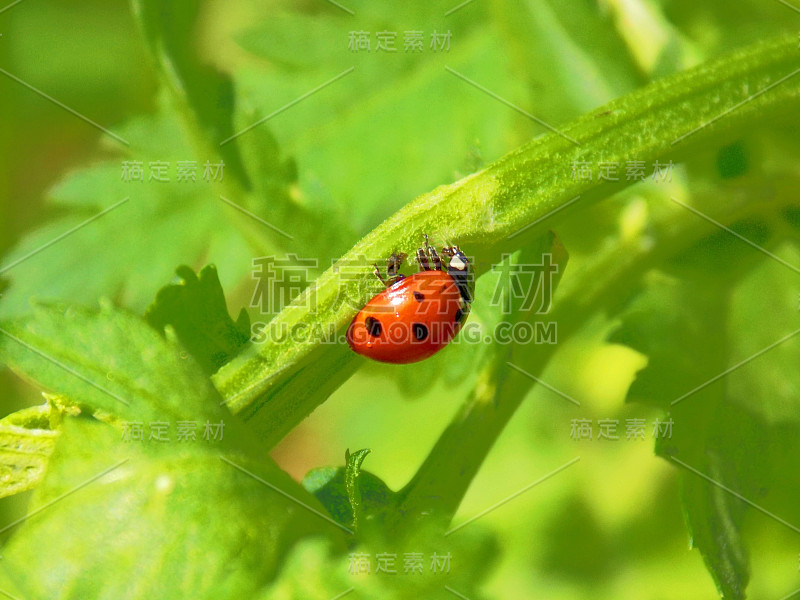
415 316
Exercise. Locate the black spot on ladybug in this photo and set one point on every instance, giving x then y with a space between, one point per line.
420 331
373 326
444 286
418 296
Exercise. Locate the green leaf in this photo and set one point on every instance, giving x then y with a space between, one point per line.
111 361
653 41
391 114
161 225
7 585
204 100
352 482
473 553
769 387
658 323
713 515
354 497
27 440
202 516
200 90
183 517
692 330
44 417
196 310
314 570
157 225
572 57
715 31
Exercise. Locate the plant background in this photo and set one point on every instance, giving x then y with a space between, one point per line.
338 163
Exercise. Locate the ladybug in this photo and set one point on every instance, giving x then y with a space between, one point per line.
418 315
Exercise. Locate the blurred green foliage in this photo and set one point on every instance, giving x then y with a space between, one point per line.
655 304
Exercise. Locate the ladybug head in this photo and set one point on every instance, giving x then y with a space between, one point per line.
458 268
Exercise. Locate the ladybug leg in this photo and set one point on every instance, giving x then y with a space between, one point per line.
437 262
422 259
393 264
427 255
430 251
377 272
